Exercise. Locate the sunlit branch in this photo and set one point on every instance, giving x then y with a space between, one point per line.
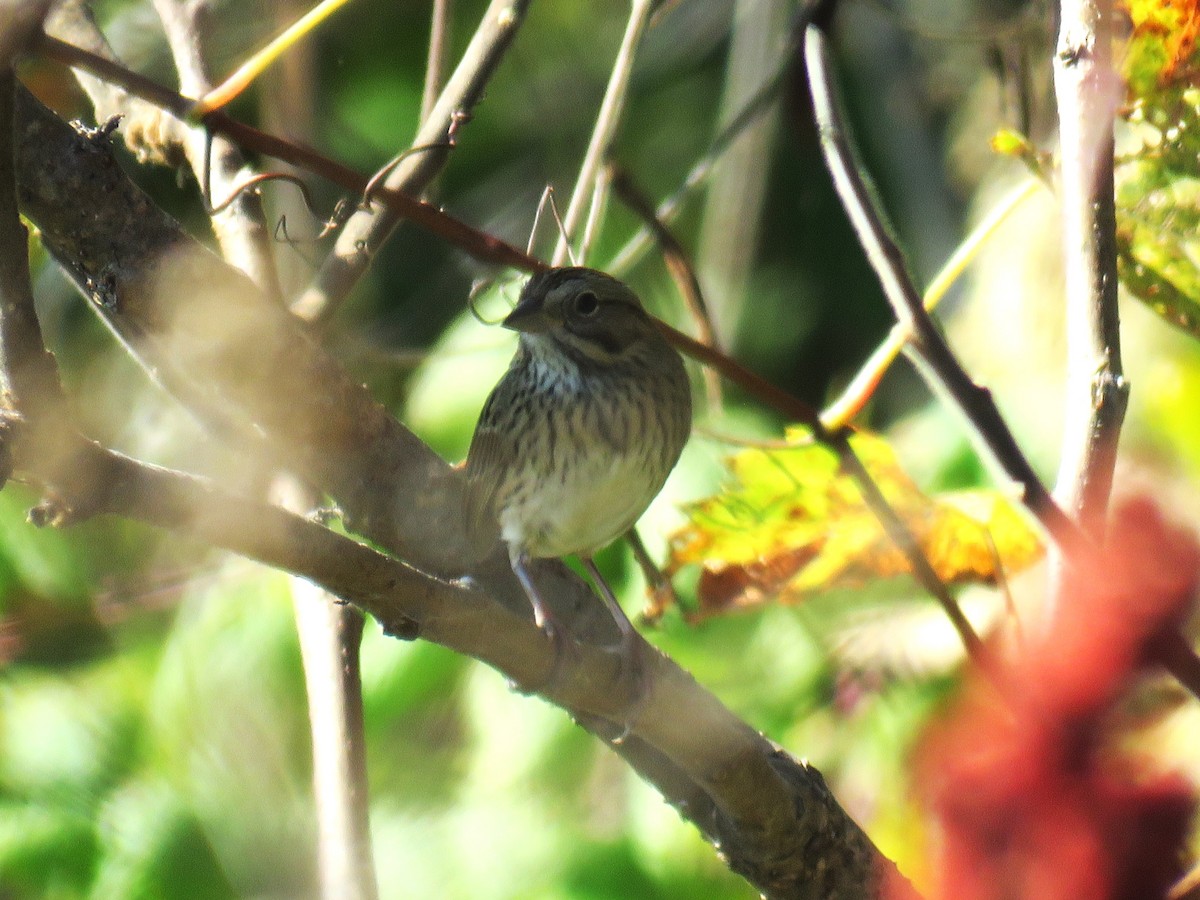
605 128
245 74
367 230
1087 89
858 392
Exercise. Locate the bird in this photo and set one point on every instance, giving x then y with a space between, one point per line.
579 435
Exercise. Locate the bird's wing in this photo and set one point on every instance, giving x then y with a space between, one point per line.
493 449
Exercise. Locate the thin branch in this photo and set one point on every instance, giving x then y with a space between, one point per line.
681 269
730 220
435 62
605 129
936 361
213 98
368 229
217 163
850 402
756 106
838 441
479 244
1096 391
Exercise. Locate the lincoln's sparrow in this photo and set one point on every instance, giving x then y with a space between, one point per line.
581 432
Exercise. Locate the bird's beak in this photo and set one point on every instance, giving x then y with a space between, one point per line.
529 315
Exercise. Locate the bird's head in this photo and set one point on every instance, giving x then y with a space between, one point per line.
582 311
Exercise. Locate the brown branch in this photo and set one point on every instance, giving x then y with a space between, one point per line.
368 228
935 360
479 244
679 265
589 187
773 817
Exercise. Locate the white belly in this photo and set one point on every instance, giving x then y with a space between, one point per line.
592 503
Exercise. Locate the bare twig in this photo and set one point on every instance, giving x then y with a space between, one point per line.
756 106
838 441
605 129
401 205
927 346
240 227
367 229
435 62
215 97
860 389
680 267
479 244
1097 393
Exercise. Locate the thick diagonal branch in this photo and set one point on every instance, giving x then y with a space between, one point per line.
773 817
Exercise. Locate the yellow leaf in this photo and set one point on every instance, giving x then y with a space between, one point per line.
793 524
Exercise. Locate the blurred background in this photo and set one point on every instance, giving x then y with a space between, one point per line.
153 727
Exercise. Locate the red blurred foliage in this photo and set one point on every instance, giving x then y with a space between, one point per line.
1031 798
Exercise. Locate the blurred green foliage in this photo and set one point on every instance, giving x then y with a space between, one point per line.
153 727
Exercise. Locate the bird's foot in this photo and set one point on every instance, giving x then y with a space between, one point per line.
632 669
564 650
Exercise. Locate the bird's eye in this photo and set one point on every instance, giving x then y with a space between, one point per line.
586 304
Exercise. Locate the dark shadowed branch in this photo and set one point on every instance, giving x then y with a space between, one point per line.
937 361
927 346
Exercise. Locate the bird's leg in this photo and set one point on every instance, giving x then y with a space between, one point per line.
630 646
542 616
662 592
